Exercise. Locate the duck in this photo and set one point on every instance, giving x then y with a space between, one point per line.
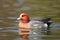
35 22
24 26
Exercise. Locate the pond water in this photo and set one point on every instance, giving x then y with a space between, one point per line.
9 24
11 33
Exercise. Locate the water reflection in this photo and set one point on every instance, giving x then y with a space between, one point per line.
25 39
12 18
11 33
5 5
10 30
1 28
1 20
18 3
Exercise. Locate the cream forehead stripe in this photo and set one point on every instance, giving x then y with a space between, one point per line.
21 16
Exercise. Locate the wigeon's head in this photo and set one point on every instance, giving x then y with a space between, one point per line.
24 17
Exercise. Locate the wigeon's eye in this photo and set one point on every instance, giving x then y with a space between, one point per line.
23 15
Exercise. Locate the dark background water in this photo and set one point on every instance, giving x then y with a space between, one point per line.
10 10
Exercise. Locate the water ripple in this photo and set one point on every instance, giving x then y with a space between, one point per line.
1 20
12 17
1 28
10 30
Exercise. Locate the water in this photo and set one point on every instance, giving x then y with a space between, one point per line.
11 33
9 24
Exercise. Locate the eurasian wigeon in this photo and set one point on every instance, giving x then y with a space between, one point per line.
24 26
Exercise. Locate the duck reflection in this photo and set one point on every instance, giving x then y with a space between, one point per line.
24 36
24 39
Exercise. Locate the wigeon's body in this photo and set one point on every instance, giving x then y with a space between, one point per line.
24 26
